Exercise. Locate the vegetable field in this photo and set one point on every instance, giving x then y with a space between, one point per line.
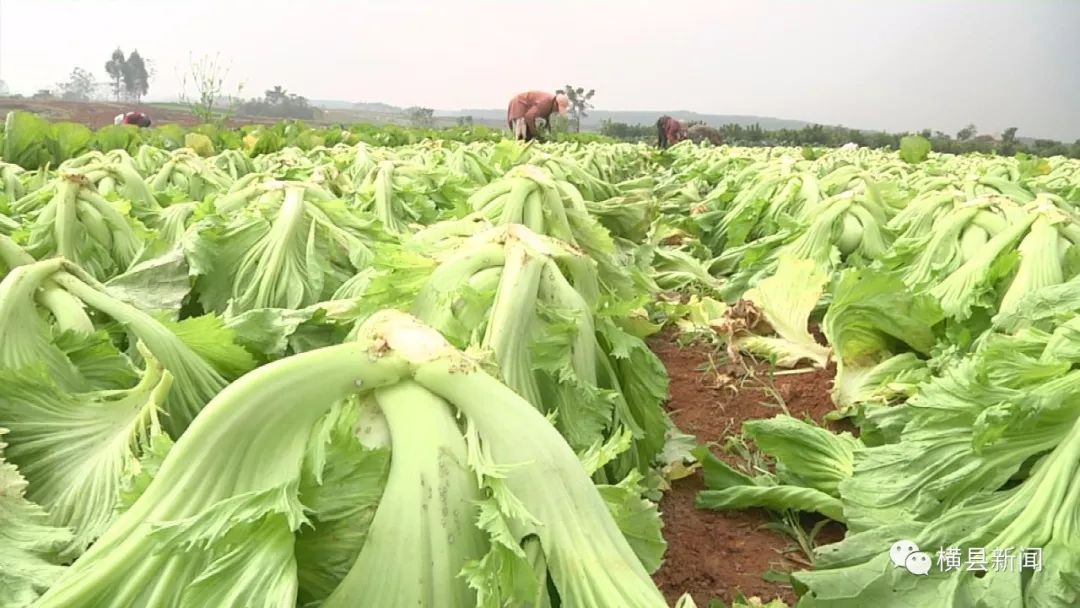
282 366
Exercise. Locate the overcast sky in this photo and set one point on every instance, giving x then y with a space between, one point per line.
896 65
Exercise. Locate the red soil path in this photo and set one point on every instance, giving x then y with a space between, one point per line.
714 554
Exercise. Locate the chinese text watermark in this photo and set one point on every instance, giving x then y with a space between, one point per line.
906 554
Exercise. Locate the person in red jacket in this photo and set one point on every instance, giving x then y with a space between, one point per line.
526 107
132 118
669 131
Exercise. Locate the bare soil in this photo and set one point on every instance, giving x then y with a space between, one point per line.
97 114
715 554
100 114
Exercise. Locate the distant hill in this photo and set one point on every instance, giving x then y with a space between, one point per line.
359 106
332 104
381 108
592 121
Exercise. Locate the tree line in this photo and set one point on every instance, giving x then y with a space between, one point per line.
279 103
967 140
129 78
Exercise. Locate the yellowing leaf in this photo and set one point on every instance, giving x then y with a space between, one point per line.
201 144
786 299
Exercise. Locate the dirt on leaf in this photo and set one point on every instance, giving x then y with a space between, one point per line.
716 554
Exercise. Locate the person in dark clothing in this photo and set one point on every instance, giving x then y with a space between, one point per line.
669 131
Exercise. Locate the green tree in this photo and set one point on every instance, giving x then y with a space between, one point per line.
135 76
579 104
465 121
115 68
420 117
276 95
79 86
279 103
1049 147
626 132
967 133
1008 142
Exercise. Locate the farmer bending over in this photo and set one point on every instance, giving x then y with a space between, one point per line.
526 107
669 131
132 118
